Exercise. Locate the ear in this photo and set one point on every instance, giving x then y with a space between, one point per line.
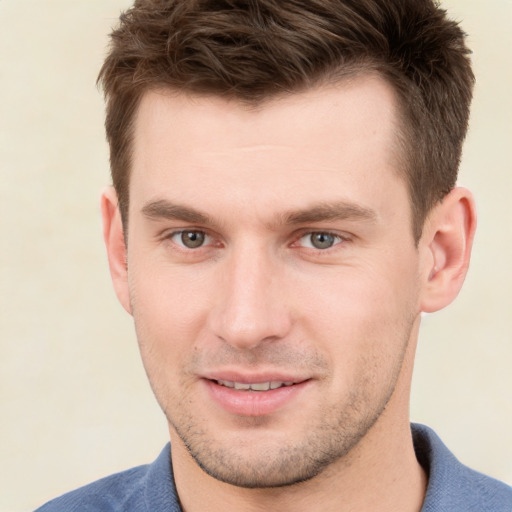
115 243
447 241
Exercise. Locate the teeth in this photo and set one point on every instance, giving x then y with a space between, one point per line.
263 386
226 383
240 385
258 386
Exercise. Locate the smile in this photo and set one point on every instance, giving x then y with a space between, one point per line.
260 398
257 386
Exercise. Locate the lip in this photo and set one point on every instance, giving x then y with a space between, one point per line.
254 403
254 377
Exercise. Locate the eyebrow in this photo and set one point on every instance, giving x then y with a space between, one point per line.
163 209
331 211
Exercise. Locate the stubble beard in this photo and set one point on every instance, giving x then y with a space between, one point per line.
329 438
277 465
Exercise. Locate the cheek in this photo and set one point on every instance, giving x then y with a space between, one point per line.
365 292
169 309
168 314
365 310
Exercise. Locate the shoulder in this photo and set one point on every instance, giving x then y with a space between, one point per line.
452 485
115 492
140 489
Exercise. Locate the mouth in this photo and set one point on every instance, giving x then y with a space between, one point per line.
256 396
255 386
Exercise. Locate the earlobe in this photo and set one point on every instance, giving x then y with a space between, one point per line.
115 243
448 239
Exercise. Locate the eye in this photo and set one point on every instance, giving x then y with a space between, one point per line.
190 239
320 240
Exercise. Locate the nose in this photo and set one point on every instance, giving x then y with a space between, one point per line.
251 307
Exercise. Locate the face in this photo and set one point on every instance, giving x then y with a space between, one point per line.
273 275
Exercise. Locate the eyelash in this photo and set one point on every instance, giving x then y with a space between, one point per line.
338 239
174 234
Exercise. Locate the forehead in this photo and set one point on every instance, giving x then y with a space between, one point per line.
359 99
332 143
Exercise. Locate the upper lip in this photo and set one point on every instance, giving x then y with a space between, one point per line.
251 377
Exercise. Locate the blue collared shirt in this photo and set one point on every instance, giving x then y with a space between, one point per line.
452 487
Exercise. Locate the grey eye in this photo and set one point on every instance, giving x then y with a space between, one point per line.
191 239
320 240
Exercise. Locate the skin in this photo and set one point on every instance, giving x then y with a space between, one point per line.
257 300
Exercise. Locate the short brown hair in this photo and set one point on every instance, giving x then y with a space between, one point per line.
251 50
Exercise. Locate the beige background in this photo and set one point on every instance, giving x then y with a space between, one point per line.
74 402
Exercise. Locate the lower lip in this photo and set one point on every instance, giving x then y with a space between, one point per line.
254 403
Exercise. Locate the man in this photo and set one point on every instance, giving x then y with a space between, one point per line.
284 209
